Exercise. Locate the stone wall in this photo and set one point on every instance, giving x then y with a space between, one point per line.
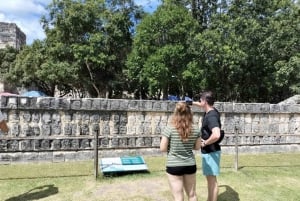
58 129
11 35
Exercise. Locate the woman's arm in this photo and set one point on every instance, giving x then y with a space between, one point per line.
164 143
197 145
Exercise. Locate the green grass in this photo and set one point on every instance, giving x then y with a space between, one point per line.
265 177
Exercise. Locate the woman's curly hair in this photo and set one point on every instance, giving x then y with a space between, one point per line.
182 119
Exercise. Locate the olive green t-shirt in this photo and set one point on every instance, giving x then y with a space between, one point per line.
180 153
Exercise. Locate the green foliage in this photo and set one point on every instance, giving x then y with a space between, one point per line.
92 38
160 52
242 50
85 49
7 57
241 46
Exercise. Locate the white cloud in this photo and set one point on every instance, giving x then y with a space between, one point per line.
27 14
21 7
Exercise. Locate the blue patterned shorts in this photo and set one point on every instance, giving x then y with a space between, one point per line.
211 163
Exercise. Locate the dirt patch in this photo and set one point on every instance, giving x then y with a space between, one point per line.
150 189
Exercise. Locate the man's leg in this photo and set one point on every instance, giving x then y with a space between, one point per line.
212 187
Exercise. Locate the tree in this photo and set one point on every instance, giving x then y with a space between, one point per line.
160 52
7 57
92 38
240 50
29 69
280 51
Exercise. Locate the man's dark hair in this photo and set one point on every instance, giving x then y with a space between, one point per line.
208 97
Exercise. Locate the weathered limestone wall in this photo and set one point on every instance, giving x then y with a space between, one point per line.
11 35
57 129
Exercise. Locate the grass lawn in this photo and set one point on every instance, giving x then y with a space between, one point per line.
265 177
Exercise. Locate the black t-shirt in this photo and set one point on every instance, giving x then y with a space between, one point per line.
210 120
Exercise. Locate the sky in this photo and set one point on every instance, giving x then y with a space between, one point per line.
26 14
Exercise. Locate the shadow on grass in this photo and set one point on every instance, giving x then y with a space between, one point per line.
36 193
229 194
44 177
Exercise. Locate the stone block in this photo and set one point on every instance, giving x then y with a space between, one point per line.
86 104
56 129
84 129
43 102
45 144
3 145
105 104
85 143
13 145
123 142
123 105
146 105
240 108
104 143
45 156
17 157
55 144
26 145
94 129
140 142
114 142
75 144
115 104
75 104
12 102
85 155
133 105
156 141
94 118
105 129
96 104
46 130
275 108
58 157
62 103
132 142
71 156
65 144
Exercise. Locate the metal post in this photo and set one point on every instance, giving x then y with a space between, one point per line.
236 162
96 154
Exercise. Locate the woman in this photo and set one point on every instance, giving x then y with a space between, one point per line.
178 140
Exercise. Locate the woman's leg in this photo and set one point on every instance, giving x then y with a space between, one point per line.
176 185
189 182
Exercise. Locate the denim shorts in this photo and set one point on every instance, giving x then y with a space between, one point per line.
211 163
182 170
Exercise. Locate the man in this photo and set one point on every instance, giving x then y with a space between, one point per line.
3 125
210 148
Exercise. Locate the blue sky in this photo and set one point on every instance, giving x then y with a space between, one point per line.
27 13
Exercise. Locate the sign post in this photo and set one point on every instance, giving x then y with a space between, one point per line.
96 154
236 162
